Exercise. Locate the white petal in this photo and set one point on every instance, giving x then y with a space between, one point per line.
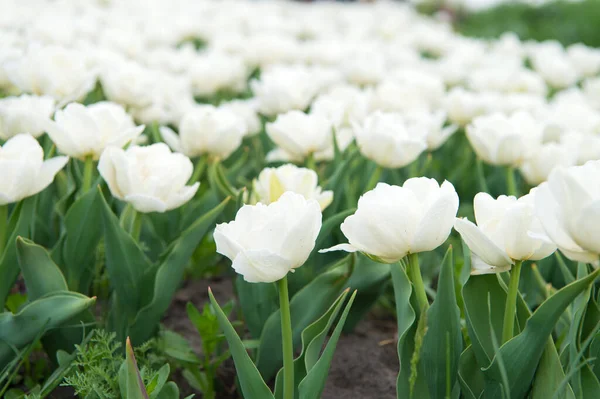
49 169
339 247
145 203
480 244
175 200
261 266
171 138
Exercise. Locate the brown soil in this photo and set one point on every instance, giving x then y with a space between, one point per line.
365 364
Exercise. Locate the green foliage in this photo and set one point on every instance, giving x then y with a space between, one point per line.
566 21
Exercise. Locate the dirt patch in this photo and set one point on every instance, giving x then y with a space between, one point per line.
365 364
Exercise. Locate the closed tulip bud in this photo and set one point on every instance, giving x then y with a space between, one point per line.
151 179
207 130
300 134
505 140
24 171
507 230
568 206
25 114
273 182
80 131
265 242
392 221
385 139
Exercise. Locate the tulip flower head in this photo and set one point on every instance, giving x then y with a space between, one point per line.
151 179
265 242
392 221
507 230
24 171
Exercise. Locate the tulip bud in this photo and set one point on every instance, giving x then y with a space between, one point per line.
24 171
265 242
300 134
151 178
392 221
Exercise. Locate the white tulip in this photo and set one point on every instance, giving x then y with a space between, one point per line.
549 156
54 71
207 130
24 171
217 71
431 126
507 230
462 105
273 182
385 139
151 179
247 111
568 205
300 134
585 60
281 89
265 242
392 222
80 131
505 140
25 114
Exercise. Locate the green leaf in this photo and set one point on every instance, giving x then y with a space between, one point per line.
169 275
126 265
130 380
258 301
549 375
47 312
170 391
251 382
40 273
81 237
305 307
443 343
313 338
311 387
407 329
525 350
176 347
18 225
158 381
470 376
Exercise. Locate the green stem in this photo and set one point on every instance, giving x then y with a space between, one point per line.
511 185
310 162
374 178
286 333
511 302
417 280
480 175
3 227
88 171
198 170
135 228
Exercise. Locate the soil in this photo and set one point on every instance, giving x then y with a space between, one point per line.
365 364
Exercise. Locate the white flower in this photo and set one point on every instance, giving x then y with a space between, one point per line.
281 89
568 205
392 222
545 159
552 63
342 105
25 114
54 71
247 111
214 72
462 106
273 182
206 130
585 60
300 134
507 230
431 126
24 171
151 178
385 139
80 131
265 242
505 140
128 83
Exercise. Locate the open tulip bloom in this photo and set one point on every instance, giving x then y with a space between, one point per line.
393 223
507 233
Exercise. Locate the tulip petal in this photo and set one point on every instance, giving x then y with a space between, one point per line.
261 266
145 203
339 247
478 267
300 239
226 243
587 234
46 174
171 138
480 244
184 195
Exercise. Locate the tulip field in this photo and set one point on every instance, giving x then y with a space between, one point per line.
288 200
